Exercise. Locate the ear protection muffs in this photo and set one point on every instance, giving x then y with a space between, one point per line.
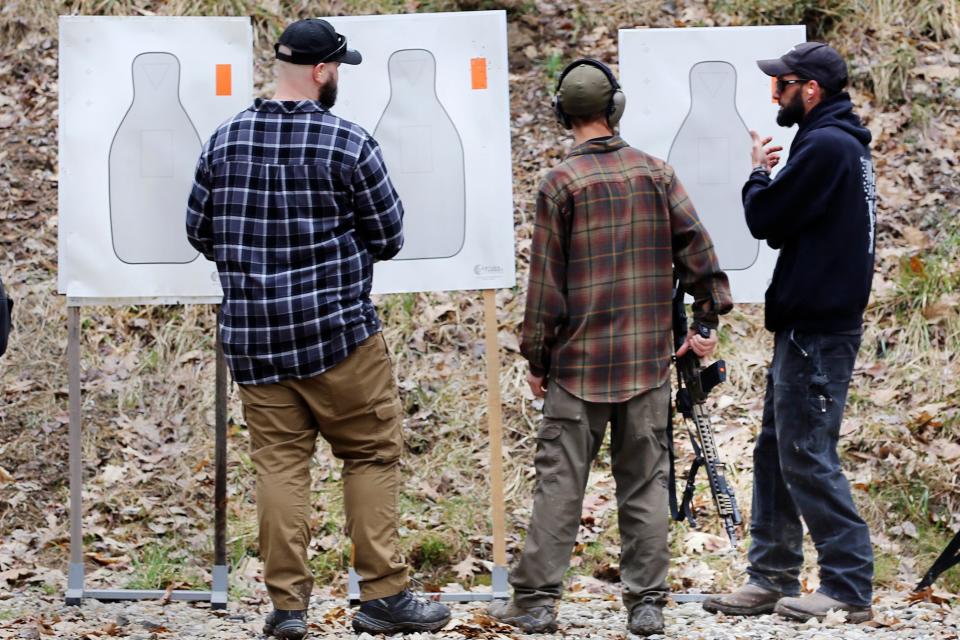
616 105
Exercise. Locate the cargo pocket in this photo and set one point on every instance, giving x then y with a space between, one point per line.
560 411
389 431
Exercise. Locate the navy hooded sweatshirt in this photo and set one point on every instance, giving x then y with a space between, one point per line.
820 212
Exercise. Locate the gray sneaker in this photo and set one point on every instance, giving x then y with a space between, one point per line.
748 600
817 605
646 618
542 619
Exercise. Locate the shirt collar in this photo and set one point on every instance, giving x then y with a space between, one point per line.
598 145
287 106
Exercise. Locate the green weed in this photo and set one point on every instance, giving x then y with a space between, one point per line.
156 566
432 551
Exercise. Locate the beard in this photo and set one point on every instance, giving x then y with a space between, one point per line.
792 112
328 95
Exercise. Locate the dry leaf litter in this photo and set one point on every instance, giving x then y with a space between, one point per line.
148 370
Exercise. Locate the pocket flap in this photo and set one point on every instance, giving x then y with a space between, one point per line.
388 410
549 431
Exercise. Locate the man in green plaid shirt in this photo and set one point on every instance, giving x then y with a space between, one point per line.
612 226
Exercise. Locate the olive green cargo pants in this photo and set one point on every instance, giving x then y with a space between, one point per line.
568 441
356 408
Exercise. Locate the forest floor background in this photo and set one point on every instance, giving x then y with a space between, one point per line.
148 370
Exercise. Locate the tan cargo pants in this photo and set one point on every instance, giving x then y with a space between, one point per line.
356 408
568 441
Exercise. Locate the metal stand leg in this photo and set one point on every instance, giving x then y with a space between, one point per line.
75 577
218 599
499 585
217 596
353 587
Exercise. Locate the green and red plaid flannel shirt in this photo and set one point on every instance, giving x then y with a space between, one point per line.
612 223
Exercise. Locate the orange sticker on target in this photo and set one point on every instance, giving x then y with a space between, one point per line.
478 73
224 81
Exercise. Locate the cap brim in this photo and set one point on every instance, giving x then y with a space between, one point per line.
775 67
351 56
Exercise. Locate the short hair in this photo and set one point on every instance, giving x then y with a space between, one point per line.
590 118
828 92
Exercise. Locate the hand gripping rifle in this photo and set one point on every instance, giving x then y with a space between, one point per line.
693 384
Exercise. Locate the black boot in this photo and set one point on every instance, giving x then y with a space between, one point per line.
400 613
287 625
646 618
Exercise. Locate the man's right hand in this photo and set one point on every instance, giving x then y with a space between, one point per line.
702 347
537 385
767 158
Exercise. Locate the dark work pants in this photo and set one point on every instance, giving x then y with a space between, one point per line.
567 444
796 472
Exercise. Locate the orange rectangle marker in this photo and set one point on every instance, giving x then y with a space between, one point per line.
224 81
478 73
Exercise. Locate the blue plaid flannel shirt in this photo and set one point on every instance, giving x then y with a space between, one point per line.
294 205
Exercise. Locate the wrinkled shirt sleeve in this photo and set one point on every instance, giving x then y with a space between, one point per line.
546 308
379 212
694 258
200 209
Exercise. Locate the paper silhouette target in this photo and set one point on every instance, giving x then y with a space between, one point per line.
152 160
711 154
694 95
138 98
432 91
423 150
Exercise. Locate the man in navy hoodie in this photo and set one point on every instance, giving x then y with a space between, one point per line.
820 212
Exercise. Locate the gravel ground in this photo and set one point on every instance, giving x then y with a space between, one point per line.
31 615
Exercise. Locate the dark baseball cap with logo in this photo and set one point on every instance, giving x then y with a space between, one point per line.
811 61
313 41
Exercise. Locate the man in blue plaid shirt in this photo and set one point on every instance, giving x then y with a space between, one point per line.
295 205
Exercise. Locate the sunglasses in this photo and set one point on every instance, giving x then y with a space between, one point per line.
782 84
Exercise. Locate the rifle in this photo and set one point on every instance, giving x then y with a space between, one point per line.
693 384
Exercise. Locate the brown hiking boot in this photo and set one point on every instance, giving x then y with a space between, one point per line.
817 605
748 600
542 619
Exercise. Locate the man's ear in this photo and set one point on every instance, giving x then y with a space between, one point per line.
318 72
813 90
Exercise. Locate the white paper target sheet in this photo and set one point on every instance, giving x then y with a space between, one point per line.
432 89
693 95
138 98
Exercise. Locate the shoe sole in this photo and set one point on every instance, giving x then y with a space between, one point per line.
716 607
364 623
550 627
284 634
853 617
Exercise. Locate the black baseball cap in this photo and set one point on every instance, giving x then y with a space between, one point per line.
313 41
811 61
